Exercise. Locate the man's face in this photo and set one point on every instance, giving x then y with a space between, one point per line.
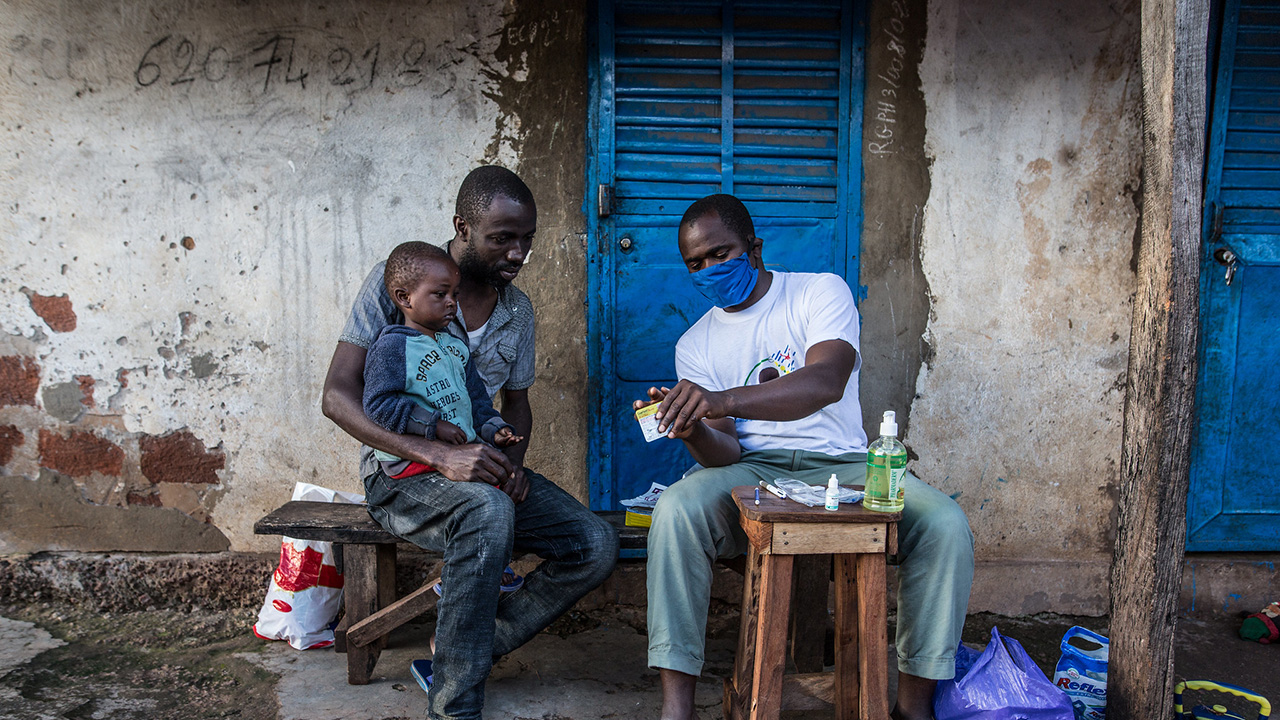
706 242
498 242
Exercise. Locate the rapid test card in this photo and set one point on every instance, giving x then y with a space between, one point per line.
648 419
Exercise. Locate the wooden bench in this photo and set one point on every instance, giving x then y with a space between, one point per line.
366 557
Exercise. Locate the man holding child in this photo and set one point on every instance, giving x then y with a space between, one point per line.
745 417
471 501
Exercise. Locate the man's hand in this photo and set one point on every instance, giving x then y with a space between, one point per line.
682 407
475 463
506 438
450 433
517 486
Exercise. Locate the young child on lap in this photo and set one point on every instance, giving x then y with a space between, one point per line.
418 378
416 374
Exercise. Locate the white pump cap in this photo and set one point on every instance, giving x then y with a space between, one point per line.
889 426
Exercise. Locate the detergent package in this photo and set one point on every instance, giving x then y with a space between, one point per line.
1082 672
305 593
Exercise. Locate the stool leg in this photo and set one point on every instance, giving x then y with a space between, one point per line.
809 611
738 687
771 637
847 685
873 634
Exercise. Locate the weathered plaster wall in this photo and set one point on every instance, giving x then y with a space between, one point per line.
545 48
895 188
1034 134
193 192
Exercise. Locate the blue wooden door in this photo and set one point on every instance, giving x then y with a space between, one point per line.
758 99
1235 465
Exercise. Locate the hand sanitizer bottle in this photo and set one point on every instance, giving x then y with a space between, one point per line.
886 464
833 493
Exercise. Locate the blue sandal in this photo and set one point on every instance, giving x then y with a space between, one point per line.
421 671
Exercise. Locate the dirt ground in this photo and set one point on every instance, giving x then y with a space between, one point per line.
158 664
201 664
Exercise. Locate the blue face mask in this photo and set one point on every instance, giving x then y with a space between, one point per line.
728 283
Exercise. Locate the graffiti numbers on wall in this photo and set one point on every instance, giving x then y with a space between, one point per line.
882 95
280 61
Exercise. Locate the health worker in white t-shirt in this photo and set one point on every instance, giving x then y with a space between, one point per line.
769 388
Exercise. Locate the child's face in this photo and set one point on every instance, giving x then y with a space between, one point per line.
433 304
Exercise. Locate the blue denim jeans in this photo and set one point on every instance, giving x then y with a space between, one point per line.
476 527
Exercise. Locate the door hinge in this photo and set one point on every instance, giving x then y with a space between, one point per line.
604 200
1215 226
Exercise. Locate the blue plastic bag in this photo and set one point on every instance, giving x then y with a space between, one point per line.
1001 683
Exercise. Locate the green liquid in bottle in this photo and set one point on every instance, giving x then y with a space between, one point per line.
886 466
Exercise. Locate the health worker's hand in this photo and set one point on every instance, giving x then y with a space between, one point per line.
683 407
655 395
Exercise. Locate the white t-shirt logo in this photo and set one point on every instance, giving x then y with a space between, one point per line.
773 367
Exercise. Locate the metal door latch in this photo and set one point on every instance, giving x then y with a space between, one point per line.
1228 259
625 243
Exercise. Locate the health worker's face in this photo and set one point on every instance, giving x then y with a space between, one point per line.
706 242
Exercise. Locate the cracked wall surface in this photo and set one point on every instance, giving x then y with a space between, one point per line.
193 193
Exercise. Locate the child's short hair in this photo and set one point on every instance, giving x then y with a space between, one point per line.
409 261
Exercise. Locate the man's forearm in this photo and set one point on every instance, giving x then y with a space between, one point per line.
711 447
791 397
350 416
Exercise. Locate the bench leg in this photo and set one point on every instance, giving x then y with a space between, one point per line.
368 568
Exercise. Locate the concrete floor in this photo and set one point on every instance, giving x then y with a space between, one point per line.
57 663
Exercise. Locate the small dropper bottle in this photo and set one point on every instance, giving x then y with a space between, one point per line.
833 493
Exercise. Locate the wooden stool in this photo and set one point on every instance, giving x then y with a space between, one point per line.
778 531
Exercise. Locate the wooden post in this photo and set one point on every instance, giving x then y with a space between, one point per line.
1146 574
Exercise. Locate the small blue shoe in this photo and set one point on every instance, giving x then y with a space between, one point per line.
421 671
511 582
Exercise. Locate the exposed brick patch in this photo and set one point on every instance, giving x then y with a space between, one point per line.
137 498
179 457
55 310
19 380
10 438
86 387
80 453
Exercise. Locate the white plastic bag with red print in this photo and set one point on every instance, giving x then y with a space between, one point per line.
306 590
